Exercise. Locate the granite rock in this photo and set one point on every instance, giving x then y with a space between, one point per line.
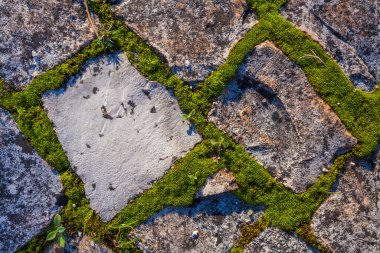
193 36
211 224
36 35
221 182
349 32
121 132
274 240
349 220
272 110
30 191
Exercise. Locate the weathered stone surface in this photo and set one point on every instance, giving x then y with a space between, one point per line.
348 30
221 182
349 220
121 132
275 114
275 240
212 224
193 36
30 192
36 35
78 244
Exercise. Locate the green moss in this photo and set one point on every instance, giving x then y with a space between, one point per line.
36 245
307 234
359 111
249 233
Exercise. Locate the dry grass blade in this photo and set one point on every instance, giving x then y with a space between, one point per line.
313 56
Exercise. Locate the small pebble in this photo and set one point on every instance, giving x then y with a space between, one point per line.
195 235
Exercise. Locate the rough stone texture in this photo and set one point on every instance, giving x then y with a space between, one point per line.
36 35
30 192
348 30
193 36
275 114
78 244
275 240
349 221
121 132
216 220
221 182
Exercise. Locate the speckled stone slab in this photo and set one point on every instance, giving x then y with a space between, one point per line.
212 224
30 191
121 132
273 111
36 35
274 240
194 37
349 220
349 32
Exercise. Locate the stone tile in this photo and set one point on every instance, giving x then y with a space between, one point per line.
30 192
221 182
36 35
349 32
193 36
212 224
349 220
121 132
273 111
273 240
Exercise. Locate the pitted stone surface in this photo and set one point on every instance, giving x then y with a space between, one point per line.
349 32
216 221
36 35
193 36
275 114
274 240
349 220
30 192
221 182
121 132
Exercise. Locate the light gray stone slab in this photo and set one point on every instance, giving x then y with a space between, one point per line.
30 191
274 240
36 35
121 132
273 111
211 224
194 37
349 32
349 220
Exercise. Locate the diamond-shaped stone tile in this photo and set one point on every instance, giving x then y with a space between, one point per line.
121 132
193 36
36 35
30 191
273 111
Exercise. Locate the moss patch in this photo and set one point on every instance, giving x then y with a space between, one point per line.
359 111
